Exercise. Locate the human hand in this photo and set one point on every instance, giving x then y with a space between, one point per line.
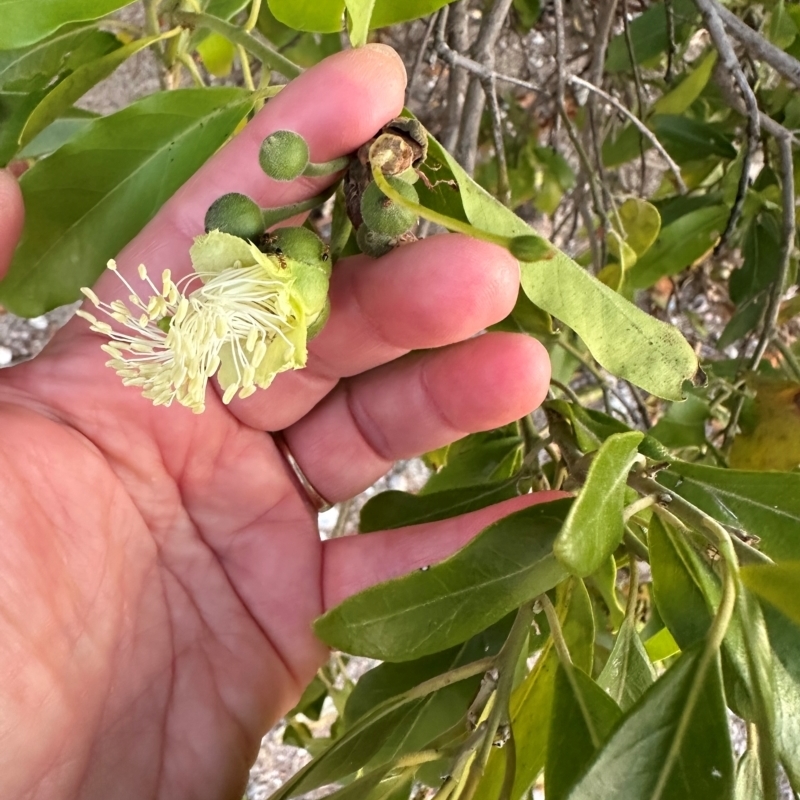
159 570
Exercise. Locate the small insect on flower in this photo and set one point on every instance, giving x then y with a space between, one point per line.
242 314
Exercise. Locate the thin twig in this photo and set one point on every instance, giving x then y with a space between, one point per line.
475 100
637 80
670 12
455 26
264 53
423 48
503 185
774 303
759 47
643 129
731 63
787 247
789 358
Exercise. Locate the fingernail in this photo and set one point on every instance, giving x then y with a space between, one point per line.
385 49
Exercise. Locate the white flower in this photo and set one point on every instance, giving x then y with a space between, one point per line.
242 314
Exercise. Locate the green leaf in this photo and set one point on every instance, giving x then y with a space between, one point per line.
649 34
395 509
15 108
748 777
531 702
683 424
778 584
58 133
510 562
760 265
678 100
21 27
623 339
359 13
661 645
75 85
628 673
430 716
763 504
225 9
593 528
317 16
687 139
665 718
475 461
679 244
582 718
89 199
390 12
32 68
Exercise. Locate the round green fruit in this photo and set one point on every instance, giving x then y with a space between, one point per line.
372 243
284 155
299 244
235 214
382 215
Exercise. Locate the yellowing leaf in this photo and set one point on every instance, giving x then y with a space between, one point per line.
641 224
772 440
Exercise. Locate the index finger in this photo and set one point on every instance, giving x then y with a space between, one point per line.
336 106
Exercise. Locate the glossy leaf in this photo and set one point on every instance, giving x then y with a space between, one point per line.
593 528
623 339
359 14
395 509
58 133
390 12
687 139
748 777
531 702
664 719
21 27
32 68
477 460
678 100
683 424
75 85
628 673
126 166
429 716
778 584
318 16
679 600
679 244
510 562
15 108
763 504
650 35
583 716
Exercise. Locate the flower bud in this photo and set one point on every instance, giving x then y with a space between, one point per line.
235 214
530 248
384 216
284 155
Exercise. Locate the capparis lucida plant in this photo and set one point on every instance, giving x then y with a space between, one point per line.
602 645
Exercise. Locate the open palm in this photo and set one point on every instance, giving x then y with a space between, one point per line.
160 571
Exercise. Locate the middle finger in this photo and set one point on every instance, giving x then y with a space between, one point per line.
429 294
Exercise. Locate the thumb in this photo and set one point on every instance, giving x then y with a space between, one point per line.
12 215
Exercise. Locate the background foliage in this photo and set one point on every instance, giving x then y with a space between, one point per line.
600 644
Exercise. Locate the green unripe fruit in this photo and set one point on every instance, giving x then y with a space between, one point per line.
299 244
382 215
530 248
235 214
372 243
284 155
